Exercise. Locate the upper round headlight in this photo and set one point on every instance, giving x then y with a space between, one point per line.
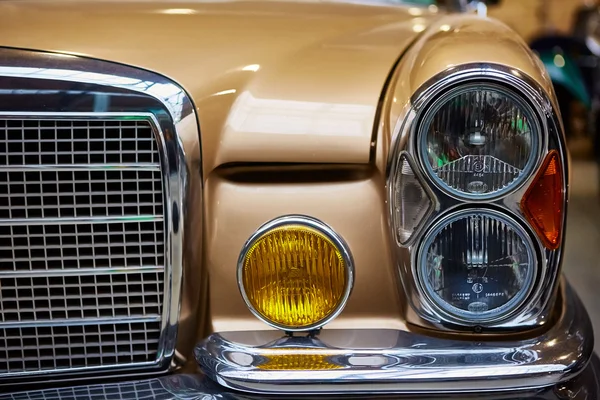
477 265
479 140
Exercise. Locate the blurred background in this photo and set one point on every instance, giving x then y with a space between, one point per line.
566 35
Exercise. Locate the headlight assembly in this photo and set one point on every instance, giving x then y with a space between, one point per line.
479 140
477 198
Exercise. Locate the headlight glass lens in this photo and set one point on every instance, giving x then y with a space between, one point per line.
479 140
477 265
294 277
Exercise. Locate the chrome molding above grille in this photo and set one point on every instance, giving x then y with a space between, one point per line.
144 194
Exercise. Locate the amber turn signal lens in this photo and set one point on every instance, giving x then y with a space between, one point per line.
295 273
543 202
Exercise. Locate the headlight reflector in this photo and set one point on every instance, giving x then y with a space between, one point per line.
411 203
478 140
295 273
477 265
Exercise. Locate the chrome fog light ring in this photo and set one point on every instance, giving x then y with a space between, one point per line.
523 265
301 222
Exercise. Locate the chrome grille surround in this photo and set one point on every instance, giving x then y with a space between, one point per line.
94 219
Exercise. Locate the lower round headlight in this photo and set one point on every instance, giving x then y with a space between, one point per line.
477 265
295 273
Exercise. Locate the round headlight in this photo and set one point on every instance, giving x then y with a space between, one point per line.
477 265
479 140
295 273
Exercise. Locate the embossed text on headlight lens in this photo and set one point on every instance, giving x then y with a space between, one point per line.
479 140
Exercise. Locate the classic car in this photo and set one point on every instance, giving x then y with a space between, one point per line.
269 198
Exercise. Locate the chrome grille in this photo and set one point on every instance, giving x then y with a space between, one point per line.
82 244
165 388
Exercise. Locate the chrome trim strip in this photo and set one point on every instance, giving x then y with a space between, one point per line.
319 226
72 372
69 68
79 272
143 94
79 321
81 220
81 167
395 361
536 309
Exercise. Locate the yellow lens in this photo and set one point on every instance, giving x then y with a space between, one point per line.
294 276
289 362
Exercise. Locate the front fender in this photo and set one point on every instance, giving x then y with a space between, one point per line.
447 44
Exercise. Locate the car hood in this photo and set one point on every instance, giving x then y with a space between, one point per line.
272 81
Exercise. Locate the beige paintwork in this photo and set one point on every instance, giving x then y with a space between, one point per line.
350 200
272 81
279 82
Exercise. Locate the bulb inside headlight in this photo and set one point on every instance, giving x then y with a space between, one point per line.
477 265
479 140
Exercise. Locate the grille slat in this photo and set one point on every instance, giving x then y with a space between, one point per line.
82 244
86 245
84 167
75 346
56 194
66 141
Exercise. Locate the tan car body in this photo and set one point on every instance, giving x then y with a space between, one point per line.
295 115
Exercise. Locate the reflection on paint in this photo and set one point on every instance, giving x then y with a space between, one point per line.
277 116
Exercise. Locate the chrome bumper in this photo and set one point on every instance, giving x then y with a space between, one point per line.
390 361
194 387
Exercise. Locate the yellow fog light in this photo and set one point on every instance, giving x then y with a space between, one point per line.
295 273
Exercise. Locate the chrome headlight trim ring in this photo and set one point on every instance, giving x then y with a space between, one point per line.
319 226
438 99
454 314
